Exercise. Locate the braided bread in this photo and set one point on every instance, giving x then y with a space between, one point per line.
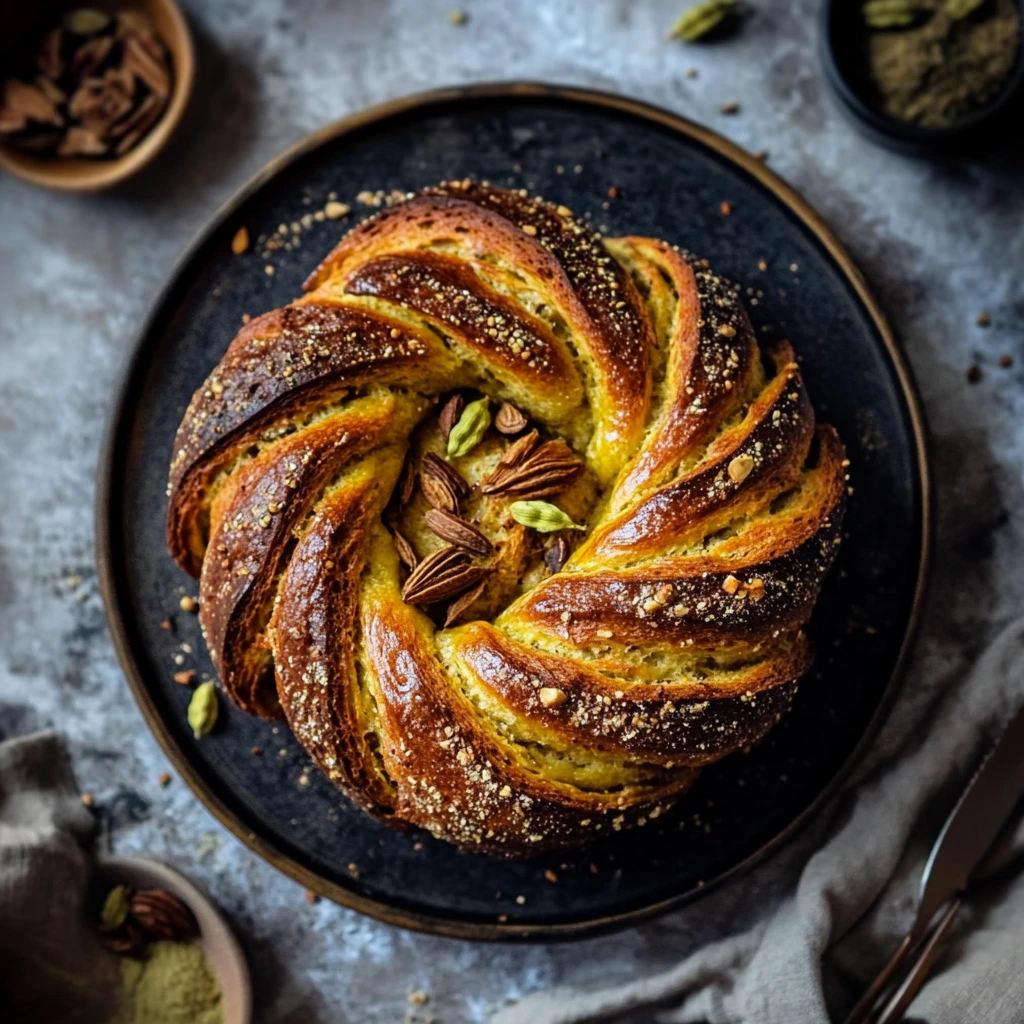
510 690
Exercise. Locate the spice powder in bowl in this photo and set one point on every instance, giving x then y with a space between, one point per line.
934 65
93 85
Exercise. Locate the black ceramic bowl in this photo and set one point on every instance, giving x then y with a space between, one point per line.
841 38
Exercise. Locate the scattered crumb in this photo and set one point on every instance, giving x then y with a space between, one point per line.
246 318
1006 360
167 624
311 897
333 210
520 900
614 193
502 918
418 998
691 72
165 779
417 847
188 604
269 270
353 870
550 875
529 229
761 265
794 267
458 17
240 242
87 799
186 677
974 374
732 107
984 319
256 751
725 209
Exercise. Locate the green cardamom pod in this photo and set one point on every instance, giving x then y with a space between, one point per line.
893 13
202 709
471 427
699 20
541 516
115 909
958 9
86 21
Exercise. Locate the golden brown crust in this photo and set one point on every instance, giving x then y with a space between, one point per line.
669 638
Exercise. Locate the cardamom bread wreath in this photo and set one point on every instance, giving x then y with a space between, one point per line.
515 525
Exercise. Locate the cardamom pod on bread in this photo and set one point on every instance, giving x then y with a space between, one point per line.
569 697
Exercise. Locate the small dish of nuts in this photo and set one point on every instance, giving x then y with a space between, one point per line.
90 94
160 924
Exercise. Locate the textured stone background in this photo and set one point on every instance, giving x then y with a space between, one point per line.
938 243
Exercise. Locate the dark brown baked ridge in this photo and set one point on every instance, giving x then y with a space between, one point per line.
671 636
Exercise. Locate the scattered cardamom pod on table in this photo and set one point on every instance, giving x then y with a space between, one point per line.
202 709
698 21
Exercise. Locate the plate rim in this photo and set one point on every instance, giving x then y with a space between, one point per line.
422 921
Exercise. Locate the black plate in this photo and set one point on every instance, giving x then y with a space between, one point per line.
571 147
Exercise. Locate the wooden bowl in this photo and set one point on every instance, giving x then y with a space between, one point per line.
219 945
74 174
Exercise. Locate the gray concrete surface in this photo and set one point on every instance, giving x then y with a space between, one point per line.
939 244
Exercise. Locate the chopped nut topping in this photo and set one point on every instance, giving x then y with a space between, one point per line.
240 242
731 584
551 696
740 468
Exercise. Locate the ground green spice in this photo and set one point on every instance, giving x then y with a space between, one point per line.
171 984
937 73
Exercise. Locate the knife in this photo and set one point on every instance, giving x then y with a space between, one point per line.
969 832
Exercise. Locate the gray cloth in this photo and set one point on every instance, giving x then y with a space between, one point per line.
856 875
53 967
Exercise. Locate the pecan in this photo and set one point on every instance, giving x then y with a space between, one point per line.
162 916
460 604
450 415
457 531
81 142
24 103
90 55
509 420
406 484
558 554
140 60
443 574
128 940
439 493
138 122
533 472
405 550
99 102
443 486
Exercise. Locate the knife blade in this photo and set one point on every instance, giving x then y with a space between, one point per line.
973 825
975 822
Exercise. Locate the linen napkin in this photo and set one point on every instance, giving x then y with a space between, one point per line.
805 947
53 967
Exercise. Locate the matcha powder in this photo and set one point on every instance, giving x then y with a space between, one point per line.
938 73
171 984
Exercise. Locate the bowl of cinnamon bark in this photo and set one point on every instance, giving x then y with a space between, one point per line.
926 76
90 94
